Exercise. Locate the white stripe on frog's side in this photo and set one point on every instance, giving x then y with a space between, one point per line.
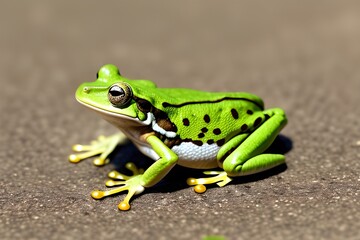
194 156
150 119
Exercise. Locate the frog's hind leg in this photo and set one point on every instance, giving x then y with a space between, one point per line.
220 177
247 158
102 146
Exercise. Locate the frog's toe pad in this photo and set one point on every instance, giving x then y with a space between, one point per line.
200 188
73 158
124 206
100 162
96 194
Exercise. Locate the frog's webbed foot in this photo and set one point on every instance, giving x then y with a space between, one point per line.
102 146
132 184
220 178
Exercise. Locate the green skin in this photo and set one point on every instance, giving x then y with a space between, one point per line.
236 123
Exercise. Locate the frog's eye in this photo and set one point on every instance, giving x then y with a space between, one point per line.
119 94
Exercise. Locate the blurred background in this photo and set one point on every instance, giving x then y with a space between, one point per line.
302 56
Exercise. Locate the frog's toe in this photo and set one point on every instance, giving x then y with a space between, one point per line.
75 158
100 161
130 166
97 194
132 184
80 147
115 175
102 146
124 206
134 169
112 183
87 151
220 178
200 188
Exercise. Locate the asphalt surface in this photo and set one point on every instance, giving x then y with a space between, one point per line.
303 57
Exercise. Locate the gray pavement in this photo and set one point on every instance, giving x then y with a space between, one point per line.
302 56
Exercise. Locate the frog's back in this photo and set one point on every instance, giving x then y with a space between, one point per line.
180 97
205 117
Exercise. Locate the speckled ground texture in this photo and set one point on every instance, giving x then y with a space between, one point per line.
302 56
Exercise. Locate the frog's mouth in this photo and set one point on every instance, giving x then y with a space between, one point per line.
118 120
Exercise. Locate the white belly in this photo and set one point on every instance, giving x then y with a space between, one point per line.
194 156
190 155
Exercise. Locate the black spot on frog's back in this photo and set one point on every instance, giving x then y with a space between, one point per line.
186 122
220 142
234 113
204 130
201 135
217 131
206 118
257 121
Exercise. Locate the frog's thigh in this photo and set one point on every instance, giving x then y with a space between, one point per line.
247 158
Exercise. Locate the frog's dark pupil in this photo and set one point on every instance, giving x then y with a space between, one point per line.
116 91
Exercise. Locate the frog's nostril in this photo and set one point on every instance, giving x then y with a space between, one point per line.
86 90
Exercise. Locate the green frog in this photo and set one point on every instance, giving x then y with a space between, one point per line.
191 128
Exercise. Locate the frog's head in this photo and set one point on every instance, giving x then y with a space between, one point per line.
113 96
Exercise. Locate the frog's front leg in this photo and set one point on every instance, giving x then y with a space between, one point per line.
248 157
102 146
140 180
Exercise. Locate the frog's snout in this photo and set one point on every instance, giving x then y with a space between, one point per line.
86 89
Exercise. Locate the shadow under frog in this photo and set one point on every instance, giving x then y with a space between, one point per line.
176 179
